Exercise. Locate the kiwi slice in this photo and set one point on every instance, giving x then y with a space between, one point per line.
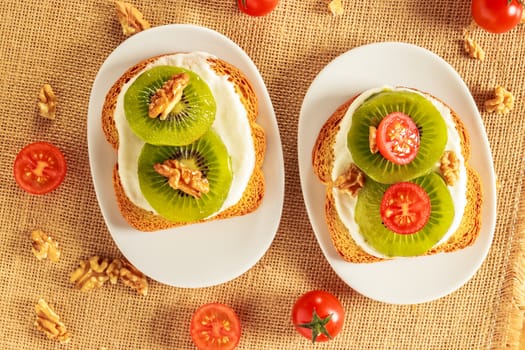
390 243
189 119
208 155
430 123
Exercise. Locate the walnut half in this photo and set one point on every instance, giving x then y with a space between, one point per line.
351 181
47 102
131 19
43 246
471 47
96 271
91 274
449 167
167 97
502 103
181 177
49 322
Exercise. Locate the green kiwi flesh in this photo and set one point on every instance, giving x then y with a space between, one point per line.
391 244
209 155
188 120
432 131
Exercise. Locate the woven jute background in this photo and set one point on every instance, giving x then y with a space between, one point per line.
65 42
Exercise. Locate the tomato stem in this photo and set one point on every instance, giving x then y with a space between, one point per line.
317 326
243 2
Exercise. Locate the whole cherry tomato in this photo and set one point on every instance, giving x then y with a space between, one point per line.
497 16
257 7
318 315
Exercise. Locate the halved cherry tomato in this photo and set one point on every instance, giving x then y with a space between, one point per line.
405 208
215 326
318 315
39 168
497 16
257 7
398 138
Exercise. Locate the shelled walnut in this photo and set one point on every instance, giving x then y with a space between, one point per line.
49 322
169 94
91 274
130 18
181 177
449 167
43 246
502 103
96 271
351 181
336 7
133 278
47 102
472 48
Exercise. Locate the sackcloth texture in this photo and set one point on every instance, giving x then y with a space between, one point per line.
64 43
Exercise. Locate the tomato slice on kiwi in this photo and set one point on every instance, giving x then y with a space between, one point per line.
215 326
398 138
405 208
39 168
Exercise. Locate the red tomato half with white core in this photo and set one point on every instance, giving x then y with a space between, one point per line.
215 326
39 168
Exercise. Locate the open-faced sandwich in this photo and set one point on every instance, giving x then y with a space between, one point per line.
189 148
398 182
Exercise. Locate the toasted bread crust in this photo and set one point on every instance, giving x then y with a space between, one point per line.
144 220
323 160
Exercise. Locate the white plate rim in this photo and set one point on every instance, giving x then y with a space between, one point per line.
352 72
200 255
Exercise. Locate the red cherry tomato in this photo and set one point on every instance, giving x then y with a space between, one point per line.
318 316
496 16
405 208
398 138
215 326
39 168
257 7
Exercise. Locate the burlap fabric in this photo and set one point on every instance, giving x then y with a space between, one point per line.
65 42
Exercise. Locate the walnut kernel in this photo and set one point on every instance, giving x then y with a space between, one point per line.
471 47
351 181
372 139
336 7
47 102
133 278
449 167
43 246
130 18
91 274
165 99
95 271
502 103
183 178
49 322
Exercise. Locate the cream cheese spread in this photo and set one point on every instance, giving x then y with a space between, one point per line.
231 124
345 204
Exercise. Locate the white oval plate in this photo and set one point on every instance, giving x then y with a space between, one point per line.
198 255
400 281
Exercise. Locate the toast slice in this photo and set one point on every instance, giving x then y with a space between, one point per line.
323 160
252 197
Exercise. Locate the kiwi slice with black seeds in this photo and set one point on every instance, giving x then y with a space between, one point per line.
392 244
432 130
189 119
208 155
